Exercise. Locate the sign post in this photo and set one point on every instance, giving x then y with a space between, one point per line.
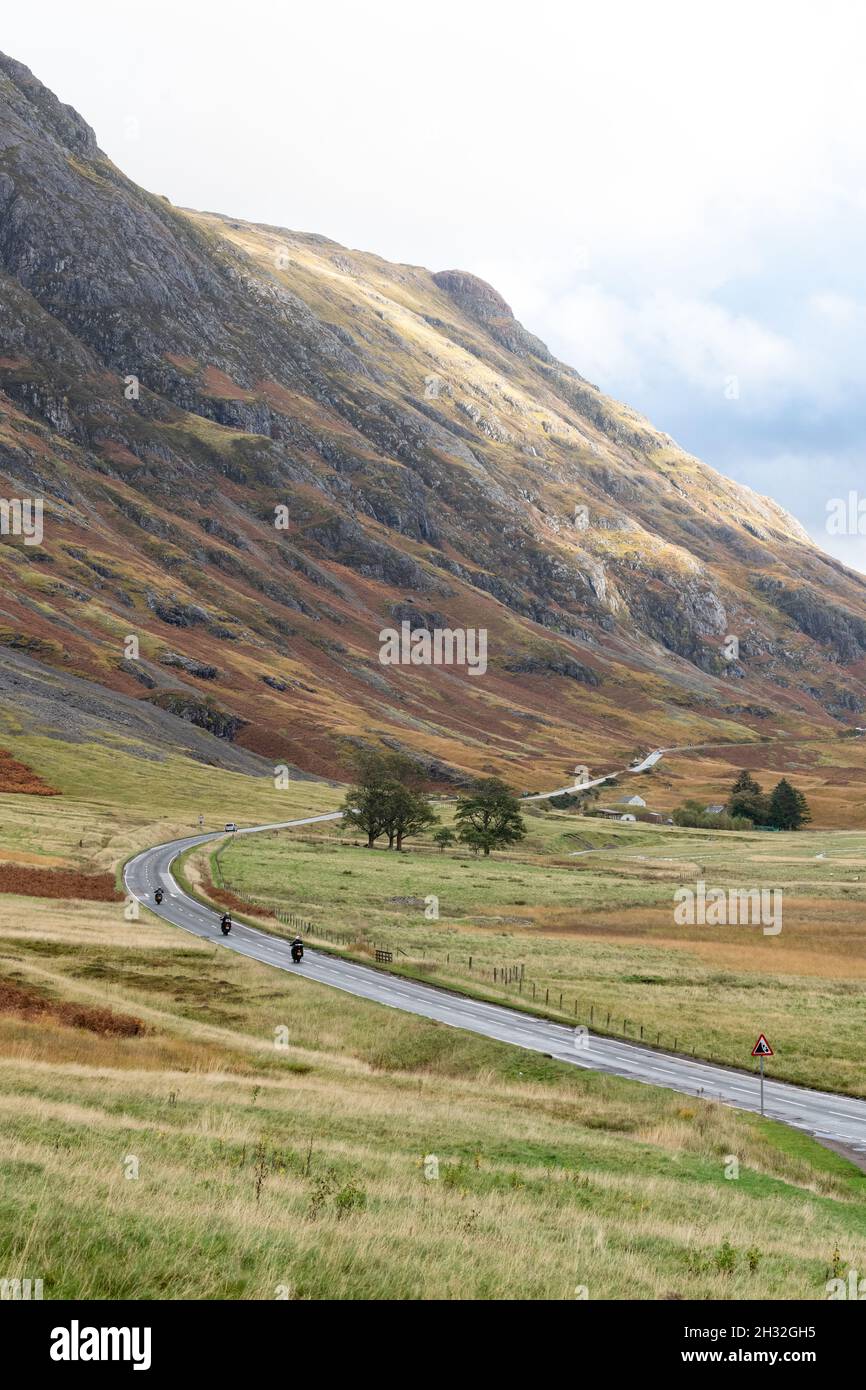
761 1050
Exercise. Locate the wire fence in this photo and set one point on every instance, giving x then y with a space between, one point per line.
509 978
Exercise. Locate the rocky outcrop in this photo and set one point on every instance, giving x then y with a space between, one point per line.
551 663
199 669
481 302
204 714
838 628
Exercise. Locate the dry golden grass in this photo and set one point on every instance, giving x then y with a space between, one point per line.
266 1172
269 1171
599 929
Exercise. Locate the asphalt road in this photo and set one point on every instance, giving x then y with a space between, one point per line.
832 1118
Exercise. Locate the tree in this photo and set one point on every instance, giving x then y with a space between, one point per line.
407 812
748 801
367 802
694 815
443 838
690 814
788 807
385 799
489 817
803 808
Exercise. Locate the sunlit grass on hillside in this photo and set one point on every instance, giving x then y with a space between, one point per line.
830 771
115 803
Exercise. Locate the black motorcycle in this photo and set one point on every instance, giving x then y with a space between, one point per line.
226 924
158 896
297 951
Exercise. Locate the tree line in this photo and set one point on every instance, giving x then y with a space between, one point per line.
387 800
785 808
748 806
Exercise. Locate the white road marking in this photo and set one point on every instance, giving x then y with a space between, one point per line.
801 1107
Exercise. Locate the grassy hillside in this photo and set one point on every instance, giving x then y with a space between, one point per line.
114 803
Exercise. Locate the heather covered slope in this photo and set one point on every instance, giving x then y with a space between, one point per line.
436 463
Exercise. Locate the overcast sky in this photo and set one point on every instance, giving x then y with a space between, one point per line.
672 195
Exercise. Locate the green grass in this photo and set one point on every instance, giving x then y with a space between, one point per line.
115 803
265 1171
599 931
300 1170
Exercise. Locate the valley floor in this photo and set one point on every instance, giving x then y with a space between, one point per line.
589 935
196 1125
267 1138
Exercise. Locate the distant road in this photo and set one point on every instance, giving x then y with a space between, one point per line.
835 1118
648 762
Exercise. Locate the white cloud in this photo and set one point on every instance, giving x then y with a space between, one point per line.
851 550
702 343
838 308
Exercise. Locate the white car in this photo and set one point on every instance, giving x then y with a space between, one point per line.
231 828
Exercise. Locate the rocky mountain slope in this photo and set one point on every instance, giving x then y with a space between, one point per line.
258 449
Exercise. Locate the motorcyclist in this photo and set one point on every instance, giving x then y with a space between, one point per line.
158 896
225 924
297 950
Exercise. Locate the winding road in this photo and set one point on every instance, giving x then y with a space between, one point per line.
832 1118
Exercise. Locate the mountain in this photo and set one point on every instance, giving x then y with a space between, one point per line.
176 383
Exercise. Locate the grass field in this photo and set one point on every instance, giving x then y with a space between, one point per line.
265 1137
598 928
114 804
831 772
266 1171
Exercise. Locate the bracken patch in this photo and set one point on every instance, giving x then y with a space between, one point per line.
27 1003
17 777
58 883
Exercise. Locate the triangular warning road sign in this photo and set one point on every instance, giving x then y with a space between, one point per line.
762 1048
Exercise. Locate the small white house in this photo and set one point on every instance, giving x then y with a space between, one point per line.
632 801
